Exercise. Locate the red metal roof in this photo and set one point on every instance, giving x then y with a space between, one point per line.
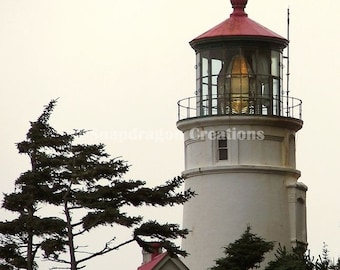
239 25
156 260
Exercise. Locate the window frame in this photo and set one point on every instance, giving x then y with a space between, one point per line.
223 148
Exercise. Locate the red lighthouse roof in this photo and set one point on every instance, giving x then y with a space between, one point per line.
238 25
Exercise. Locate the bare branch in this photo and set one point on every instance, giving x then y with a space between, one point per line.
105 250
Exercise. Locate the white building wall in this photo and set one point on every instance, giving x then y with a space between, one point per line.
250 188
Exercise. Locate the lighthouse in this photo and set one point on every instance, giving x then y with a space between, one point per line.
239 142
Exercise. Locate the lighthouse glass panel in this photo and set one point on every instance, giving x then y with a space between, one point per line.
216 66
276 67
205 87
198 76
237 80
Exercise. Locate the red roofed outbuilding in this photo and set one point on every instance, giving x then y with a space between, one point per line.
158 260
164 261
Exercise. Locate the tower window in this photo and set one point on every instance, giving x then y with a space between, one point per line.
223 149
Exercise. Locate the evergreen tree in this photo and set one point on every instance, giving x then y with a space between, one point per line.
87 184
323 263
24 235
297 259
245 253
335 266
300 259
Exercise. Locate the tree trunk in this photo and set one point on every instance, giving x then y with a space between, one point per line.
70 237
30 209
30 257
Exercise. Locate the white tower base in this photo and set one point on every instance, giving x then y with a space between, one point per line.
256 185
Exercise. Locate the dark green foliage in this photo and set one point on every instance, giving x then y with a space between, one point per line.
40 226
11 256
87 185
324 262
163 232
336 266
245 253
50 246
298 259
24 235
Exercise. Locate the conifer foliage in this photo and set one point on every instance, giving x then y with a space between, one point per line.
297 259
88 186
245 253
248 252
300 259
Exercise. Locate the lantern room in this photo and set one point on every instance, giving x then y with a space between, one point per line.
239 70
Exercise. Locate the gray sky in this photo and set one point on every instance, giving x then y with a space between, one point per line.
119 67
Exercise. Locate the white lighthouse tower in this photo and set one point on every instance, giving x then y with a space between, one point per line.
239 133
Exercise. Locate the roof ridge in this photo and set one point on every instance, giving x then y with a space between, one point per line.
151 264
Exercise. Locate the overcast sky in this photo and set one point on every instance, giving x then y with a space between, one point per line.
119 67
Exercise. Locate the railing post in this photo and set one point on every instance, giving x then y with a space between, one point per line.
300 110
178 110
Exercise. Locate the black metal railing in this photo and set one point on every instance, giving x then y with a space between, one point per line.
242 105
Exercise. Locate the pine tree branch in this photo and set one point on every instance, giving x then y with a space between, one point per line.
77 224
75 207
59 261
106 249
79 233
